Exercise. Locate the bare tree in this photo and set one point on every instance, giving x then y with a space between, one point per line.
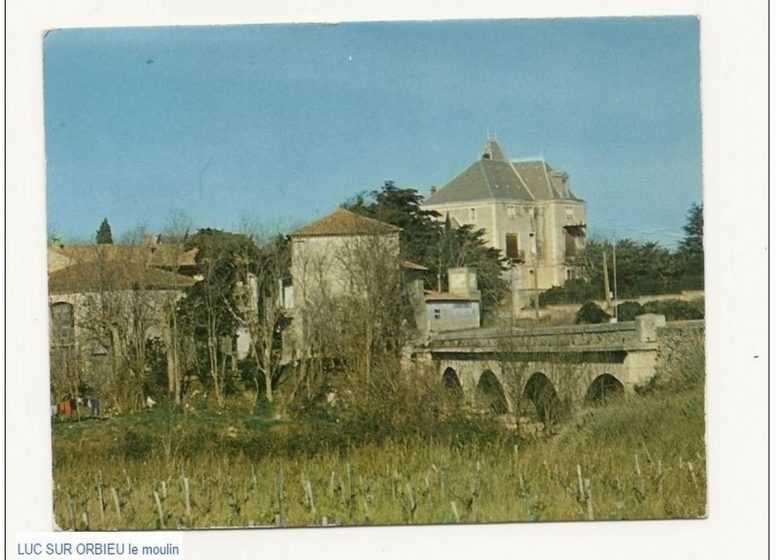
371 309
118 311
118 301
134 236
177 230
222 301
261 310
349 306
178 226
67 373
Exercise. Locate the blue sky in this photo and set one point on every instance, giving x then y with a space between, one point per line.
278 124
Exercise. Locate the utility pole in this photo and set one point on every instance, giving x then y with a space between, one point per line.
515 285
614 278
536 266
536 288
607 298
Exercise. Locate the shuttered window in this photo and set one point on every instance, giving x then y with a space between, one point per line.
512 250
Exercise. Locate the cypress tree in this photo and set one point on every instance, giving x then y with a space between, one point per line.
104 232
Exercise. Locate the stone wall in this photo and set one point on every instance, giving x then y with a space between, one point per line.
680 351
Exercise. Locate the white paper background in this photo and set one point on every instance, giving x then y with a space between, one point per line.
734 106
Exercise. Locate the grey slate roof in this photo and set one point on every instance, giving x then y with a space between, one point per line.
483 179
495 178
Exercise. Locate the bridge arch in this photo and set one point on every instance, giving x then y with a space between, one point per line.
540 390
604 388
490 393
452 383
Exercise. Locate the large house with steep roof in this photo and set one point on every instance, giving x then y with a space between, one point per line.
527 210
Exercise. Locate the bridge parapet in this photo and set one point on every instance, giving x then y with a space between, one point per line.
506 368
639 334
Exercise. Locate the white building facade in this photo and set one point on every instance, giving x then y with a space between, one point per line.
527 210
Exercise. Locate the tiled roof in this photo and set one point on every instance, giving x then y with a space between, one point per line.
161 255
344 222
495 178
409 265
113 275
447 296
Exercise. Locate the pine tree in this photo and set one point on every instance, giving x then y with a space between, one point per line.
438 246
691 248
104 232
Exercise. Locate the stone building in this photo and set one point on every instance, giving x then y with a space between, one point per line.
455 310
105 302
340 257
528 211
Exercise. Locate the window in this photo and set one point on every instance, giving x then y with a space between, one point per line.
574 241
436 313
512 251
286 293
569 213
510 210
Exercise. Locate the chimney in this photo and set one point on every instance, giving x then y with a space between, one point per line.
463 281
433 190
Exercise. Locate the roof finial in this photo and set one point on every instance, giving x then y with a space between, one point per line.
492 149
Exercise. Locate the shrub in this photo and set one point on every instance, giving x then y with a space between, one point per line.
677 309
264 408
591 313
136 445
628 310
573 291
157 382
391 407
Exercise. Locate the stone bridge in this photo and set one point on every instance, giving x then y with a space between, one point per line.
547 370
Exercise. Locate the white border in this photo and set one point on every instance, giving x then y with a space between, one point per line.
734 62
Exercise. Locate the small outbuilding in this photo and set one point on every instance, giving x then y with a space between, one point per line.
445 311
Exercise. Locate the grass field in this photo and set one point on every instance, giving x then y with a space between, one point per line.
641 458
